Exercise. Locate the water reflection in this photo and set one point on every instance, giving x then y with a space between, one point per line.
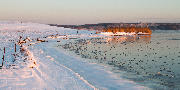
135 38
153 63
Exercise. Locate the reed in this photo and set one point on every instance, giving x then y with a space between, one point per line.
128 29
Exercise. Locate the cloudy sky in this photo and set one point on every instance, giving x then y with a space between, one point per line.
90 11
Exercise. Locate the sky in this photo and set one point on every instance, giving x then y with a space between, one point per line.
90 11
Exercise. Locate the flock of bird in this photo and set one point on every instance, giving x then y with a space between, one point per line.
155 61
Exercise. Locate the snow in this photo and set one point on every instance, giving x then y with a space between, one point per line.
38 64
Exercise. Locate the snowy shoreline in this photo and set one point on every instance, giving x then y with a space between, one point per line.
53 68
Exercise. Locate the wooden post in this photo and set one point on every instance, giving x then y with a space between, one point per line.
4 50
15 47
2 61
3 56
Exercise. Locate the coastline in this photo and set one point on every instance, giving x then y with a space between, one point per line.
95 74
42 60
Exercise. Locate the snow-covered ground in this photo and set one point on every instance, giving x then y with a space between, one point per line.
32 60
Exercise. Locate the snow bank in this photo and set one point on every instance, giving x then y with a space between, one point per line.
21 70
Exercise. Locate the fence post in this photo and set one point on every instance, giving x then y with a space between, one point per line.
15 47
3 56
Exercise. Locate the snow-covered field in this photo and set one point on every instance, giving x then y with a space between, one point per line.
32 60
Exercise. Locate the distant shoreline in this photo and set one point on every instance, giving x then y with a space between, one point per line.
101 26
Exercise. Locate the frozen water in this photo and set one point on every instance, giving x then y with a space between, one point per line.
152 61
